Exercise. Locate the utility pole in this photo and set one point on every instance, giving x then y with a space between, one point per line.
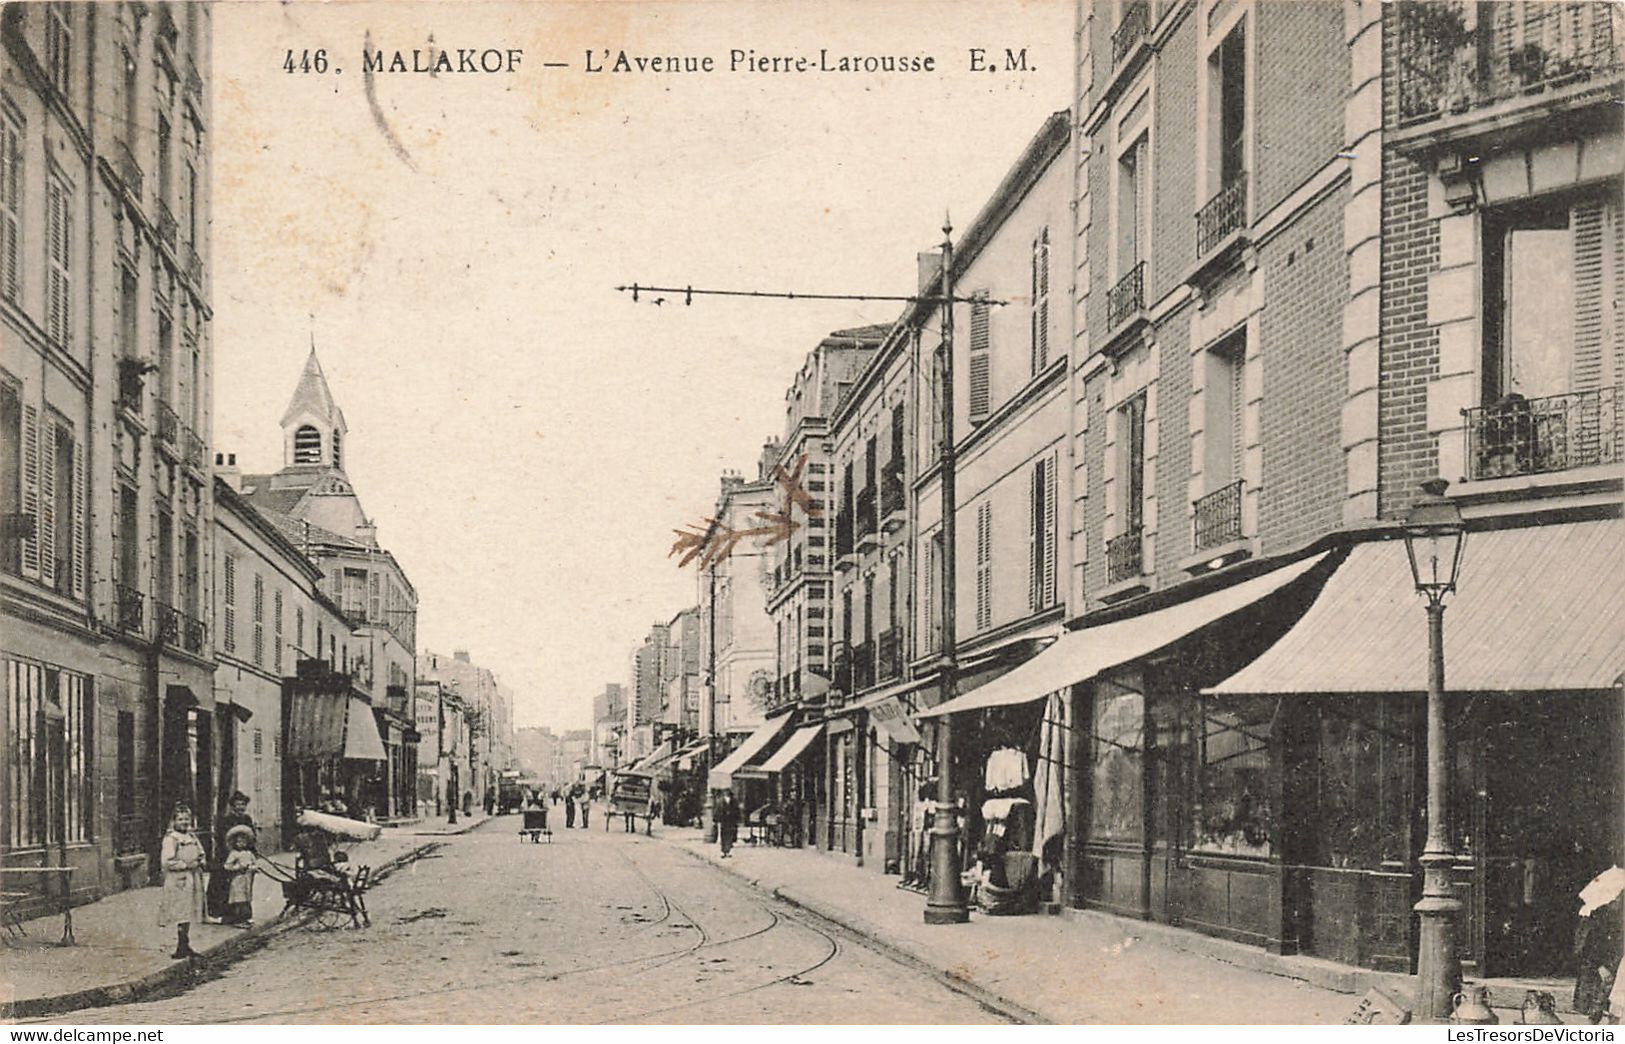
946 902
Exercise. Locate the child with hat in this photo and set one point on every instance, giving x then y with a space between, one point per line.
239 865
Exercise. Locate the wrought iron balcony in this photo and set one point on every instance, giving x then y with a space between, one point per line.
1127 298
192 449
1221 216
1455 57
129 171
1125 556
169 424
167 229
889 658
1218 517
893 497
129 609
1519 436
194 635
169 623
1131 29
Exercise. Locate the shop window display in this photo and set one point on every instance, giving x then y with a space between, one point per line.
1234 814
1117 811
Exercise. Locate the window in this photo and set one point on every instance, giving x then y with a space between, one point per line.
129 317
127 830
11 206
307 445
1233 812
165 581
1131 469
1554 270
127 538
166 360
374 609
1117 763
192 215
165 144
1222 403
49 757
67 545
58 269
11 470
984 565
192 575
1043 535
58 48
131 101
259 620
1227 113
980 402
1040 313
931 593
276 631
299 628
1133 199
228 635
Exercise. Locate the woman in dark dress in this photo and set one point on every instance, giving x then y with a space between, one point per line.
220 879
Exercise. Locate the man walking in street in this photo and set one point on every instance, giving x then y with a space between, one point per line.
569 811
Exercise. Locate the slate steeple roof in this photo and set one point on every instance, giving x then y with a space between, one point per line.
312 397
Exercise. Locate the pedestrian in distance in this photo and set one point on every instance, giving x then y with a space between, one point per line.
570 814
727 816
182 859
586 809
239 870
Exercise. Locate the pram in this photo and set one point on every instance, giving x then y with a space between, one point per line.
535 826
317 881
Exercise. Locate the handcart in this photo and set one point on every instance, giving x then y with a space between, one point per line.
535 826
318 880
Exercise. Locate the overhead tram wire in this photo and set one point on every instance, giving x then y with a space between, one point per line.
690 292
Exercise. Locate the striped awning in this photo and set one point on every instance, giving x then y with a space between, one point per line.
1535 609
721 777
316 725
798 742
361 739
1083 654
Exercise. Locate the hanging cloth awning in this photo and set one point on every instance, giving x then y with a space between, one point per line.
685 757
1082 654
316 726
888 713
361 739
1535 609
653 760
798 742
721 777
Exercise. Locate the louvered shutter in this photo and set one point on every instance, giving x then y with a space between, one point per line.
79 496
1052 530
981 368
31 504
11 184
47 502
1587 221
928 599
984 571
64 279
1035 540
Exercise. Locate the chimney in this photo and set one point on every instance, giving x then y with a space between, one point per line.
225 466
367 533
731 480
770 456
461 656
929 263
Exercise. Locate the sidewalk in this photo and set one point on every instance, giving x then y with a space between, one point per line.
123 953
1042 969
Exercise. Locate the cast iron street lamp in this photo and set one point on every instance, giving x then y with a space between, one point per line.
946 902
1434 538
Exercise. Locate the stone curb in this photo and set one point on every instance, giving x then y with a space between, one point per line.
872 936
182 974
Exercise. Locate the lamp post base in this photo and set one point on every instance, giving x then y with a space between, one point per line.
946 902
1438 964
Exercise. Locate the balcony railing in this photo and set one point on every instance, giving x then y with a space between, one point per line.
129 171
1221 216
1136 22
1125 556
192 449
866 523
1218 517
169 623
893 498
1454 56
1520 436
194 635
889 657
169 423
129 607
1127 298
130 385
167 228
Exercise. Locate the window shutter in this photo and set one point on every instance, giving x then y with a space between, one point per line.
1052 530
47 503
31 498
1035 548
65 308
1589 290
79 496
984 571
11 183
228 639
928 600
981 370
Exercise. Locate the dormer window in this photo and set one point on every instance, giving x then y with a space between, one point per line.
307 445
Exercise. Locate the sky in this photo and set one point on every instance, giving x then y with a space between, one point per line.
525 437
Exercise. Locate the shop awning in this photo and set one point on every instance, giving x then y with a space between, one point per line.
888 712
1082 654
650 761
361 740
798 742
316 725
685 757
721 777
1536 609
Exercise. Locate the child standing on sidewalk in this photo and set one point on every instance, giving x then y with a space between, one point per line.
182 859
239 864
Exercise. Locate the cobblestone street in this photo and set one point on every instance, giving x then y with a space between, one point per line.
596 927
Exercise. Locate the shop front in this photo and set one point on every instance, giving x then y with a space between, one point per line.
1534 650
331 745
